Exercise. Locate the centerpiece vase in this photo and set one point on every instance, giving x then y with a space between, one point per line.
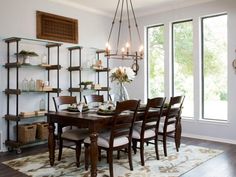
122 93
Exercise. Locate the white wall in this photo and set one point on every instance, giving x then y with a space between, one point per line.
197 128
18 18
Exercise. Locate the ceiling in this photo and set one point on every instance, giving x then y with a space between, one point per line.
141 7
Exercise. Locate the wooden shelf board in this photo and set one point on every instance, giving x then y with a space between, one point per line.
75 89
20 117
102 70
74 68
12 143
12 91
53 67
75 47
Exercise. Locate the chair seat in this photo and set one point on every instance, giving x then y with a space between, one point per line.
170 128
147 134
104 138
75 134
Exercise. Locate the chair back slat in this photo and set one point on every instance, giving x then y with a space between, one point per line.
93 98
174 110
152 114
123 120
63 100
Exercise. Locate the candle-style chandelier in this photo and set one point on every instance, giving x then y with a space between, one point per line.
126 50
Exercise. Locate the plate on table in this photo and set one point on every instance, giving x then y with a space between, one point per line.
71 109
105 112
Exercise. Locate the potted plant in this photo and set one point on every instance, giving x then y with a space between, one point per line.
86 83
25 55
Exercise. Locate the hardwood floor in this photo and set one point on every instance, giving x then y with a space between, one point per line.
223 165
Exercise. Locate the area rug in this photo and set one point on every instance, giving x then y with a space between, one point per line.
174 165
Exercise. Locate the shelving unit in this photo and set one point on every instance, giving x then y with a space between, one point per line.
104 70
78 68
15 91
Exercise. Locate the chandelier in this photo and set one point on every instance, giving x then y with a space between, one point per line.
125 50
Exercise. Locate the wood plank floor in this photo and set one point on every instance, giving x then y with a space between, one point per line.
223 165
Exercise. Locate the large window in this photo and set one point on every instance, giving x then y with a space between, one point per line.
182 57
155 46
214 67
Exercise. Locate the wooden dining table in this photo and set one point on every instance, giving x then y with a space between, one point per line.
94 122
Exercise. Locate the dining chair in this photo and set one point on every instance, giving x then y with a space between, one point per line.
171 125
74 134
147 130
119 136
93 99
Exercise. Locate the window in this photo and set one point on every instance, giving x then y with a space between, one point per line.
182 60
214 67
155 54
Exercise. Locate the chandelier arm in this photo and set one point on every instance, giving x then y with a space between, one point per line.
136 24
121 15
129 26
113 22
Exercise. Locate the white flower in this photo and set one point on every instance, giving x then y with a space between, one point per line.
122 74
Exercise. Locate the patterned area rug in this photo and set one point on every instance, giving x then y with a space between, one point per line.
174 165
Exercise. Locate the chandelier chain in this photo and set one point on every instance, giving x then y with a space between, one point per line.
136 24
113 22
121 16
129 26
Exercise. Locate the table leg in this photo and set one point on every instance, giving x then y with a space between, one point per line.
93 153
51 143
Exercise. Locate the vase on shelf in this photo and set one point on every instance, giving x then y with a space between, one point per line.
122 92
31 84
25 85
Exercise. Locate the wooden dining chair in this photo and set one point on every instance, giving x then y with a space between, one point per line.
119 136
147 130
74 134
90 99
171 125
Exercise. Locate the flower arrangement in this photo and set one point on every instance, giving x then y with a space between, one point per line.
122 74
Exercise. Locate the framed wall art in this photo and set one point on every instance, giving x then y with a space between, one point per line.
57 28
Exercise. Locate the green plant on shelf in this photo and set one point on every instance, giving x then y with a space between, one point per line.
86 83
25 55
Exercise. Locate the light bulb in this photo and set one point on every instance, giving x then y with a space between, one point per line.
122 49
141 48
127 45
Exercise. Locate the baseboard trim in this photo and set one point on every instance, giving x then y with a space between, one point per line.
221 140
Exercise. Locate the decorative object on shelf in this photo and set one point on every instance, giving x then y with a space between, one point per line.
27 133
39 85
125 52
42 86
42 130
27 114
122 75
26 56
40 113
42 105
32 86
98 65
96 86
25 85
44 60
86 83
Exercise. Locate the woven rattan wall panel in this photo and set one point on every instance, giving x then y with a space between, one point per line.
57 28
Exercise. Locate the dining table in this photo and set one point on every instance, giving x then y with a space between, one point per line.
89 119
